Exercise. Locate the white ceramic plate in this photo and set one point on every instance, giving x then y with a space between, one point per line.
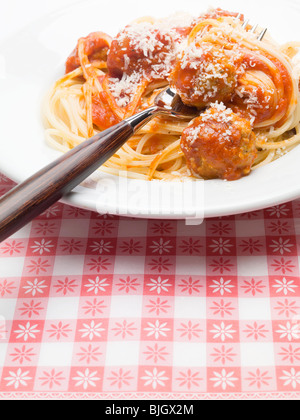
34 57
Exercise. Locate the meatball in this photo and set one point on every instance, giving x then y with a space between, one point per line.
219 144
141 48
204 74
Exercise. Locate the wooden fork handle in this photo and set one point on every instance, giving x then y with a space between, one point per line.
29 199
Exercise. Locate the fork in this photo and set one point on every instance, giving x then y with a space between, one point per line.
32 197
253 29
35 195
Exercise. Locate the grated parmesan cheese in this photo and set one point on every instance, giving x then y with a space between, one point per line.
123 90
147 38
222 115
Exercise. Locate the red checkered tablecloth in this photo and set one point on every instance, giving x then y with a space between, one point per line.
115 308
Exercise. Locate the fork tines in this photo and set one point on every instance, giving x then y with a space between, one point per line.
253 29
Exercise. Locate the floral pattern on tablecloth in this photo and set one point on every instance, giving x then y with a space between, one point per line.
105 307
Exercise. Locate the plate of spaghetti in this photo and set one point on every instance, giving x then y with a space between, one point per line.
240 153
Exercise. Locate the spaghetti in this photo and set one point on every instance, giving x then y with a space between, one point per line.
212 62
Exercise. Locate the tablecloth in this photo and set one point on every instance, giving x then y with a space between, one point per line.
112 308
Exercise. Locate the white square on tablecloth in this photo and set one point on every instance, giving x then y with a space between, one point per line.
132 229
298 257
74 228
190 307
68 265
12 267
3 351
129 265
22 233
7 309
255 309
184 230
189 355
257 354
255 266
122 353
62 308
190 266
297 225
249 228
56 354
126 307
